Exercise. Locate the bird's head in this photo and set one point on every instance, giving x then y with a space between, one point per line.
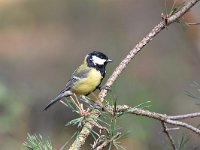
97 59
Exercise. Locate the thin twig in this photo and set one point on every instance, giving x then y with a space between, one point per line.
168 135
80 140
192 23
160 117
178 117
75 102
106 142
171 129
101 127
183 124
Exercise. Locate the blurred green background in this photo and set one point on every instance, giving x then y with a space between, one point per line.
42 42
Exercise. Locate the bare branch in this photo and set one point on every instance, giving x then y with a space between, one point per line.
171 129
80 140
192 23
157 29
165 130
159 117
178 117
183 124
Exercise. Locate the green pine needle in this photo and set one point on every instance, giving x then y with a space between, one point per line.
35 142
182 143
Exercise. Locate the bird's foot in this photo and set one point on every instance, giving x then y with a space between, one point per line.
105 87
96 106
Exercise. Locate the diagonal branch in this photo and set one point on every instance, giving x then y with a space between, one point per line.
169 136
80 140
157 29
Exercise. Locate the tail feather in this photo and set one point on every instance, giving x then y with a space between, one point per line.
56 99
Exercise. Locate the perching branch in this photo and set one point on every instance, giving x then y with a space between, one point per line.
80 140
157 29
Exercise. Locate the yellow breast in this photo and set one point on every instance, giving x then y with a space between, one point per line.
89 84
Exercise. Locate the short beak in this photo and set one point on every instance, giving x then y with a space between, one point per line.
109 60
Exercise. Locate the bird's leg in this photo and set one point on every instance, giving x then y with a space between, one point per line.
76 98
76 103
82 111
98 104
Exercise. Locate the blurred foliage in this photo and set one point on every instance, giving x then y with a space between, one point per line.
35 142
182 143
12 108
196 94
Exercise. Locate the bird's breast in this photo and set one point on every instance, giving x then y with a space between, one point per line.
88 84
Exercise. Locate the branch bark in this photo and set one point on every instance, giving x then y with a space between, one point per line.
173 120
80 140
192 115
156 30
169 136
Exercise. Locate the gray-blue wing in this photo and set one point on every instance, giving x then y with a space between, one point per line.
76 77
78 74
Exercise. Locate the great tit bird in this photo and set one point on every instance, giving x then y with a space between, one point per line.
86 78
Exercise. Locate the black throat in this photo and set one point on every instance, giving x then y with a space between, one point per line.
101 68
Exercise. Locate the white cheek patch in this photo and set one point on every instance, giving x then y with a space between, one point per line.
98 61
